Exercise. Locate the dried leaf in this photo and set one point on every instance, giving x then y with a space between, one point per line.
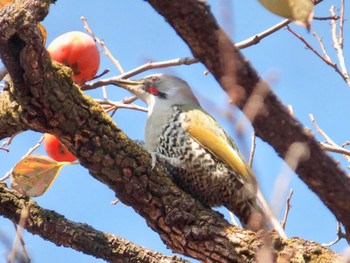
34 174
300 11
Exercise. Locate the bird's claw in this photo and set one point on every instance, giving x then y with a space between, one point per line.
154 159
172 161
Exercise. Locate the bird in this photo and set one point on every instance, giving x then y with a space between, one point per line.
200 156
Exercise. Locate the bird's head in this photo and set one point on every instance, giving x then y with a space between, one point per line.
161 91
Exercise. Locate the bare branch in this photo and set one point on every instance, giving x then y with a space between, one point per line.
330 145
326 59
145 67
338 44
4 149
341 24
320 41
110 105
335 149
252 150
21 224
320 131
345 144
340 236
288 207
258 37
102 44
335 17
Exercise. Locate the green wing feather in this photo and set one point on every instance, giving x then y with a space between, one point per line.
208 133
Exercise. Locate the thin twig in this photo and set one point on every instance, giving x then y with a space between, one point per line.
342 70
4 149
14 251
323 48
107 104
144 67
115 202
308 45
128 100
104 47
330 145
340 235
252 150
106 51
36 146
341 24
335 17
9 140
288 207
162 64
338 45
104 72
335 149
320 131
104 93
258 37
30 151
345 144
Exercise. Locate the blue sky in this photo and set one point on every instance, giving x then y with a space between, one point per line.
135 34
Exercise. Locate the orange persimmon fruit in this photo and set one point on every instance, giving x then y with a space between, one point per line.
56 150
78 51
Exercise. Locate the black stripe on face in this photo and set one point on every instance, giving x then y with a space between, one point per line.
162 95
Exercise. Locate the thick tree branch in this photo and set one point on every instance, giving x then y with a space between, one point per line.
194 22
10 112
52 103
82 237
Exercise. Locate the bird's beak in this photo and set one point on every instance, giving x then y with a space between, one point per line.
129 85
134 86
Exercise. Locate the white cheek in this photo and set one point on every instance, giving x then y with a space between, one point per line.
150 102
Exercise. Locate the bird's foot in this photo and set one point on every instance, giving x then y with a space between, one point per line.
171 160
154 159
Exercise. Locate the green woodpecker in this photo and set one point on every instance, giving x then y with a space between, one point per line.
201 157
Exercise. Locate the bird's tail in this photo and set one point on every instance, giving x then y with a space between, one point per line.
255 214
269 215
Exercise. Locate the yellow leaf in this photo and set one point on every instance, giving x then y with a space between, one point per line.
300 11
34 174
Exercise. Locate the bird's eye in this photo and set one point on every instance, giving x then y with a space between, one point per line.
155 78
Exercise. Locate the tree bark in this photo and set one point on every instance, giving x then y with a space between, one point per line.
10 113
51 102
